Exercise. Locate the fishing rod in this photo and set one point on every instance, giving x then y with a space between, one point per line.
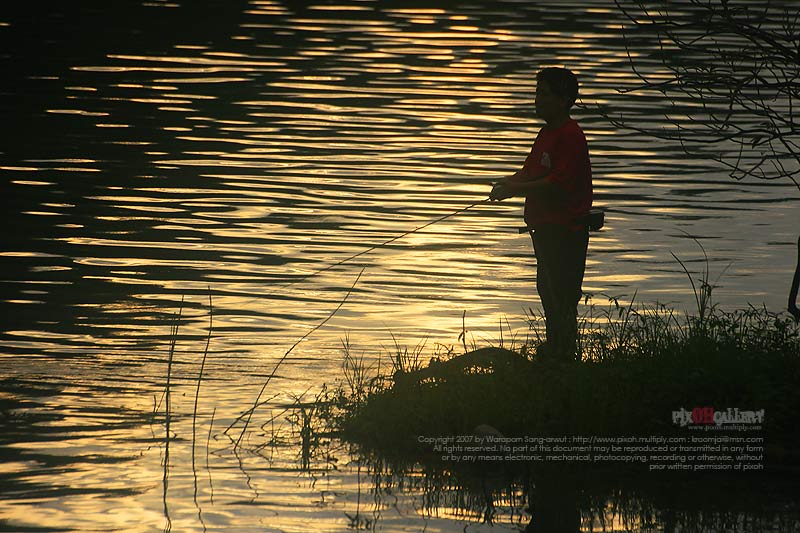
384 243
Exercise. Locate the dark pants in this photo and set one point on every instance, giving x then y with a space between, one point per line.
560 262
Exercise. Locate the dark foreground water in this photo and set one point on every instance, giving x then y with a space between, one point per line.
156 152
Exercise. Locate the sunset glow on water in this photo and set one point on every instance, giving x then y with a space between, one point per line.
227 153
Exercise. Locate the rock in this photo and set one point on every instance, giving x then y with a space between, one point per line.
485 361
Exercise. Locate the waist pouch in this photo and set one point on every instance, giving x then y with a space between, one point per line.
593 220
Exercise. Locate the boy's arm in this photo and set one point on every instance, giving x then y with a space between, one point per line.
555 183
518 185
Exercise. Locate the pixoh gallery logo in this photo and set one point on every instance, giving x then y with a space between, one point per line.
710 418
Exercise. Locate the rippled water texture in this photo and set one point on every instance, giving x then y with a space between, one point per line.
154 152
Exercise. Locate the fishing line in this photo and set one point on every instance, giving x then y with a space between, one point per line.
250 411
248 414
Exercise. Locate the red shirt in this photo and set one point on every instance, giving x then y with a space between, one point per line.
563 155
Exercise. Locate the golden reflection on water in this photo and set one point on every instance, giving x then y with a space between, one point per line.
263 157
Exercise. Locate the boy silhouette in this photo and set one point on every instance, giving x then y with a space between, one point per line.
556 181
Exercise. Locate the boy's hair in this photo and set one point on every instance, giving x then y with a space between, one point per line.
562 81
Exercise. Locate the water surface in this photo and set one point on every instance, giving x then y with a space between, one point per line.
158 153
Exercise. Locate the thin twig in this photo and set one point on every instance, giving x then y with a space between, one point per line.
196 401
200 377
168 406
208 442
